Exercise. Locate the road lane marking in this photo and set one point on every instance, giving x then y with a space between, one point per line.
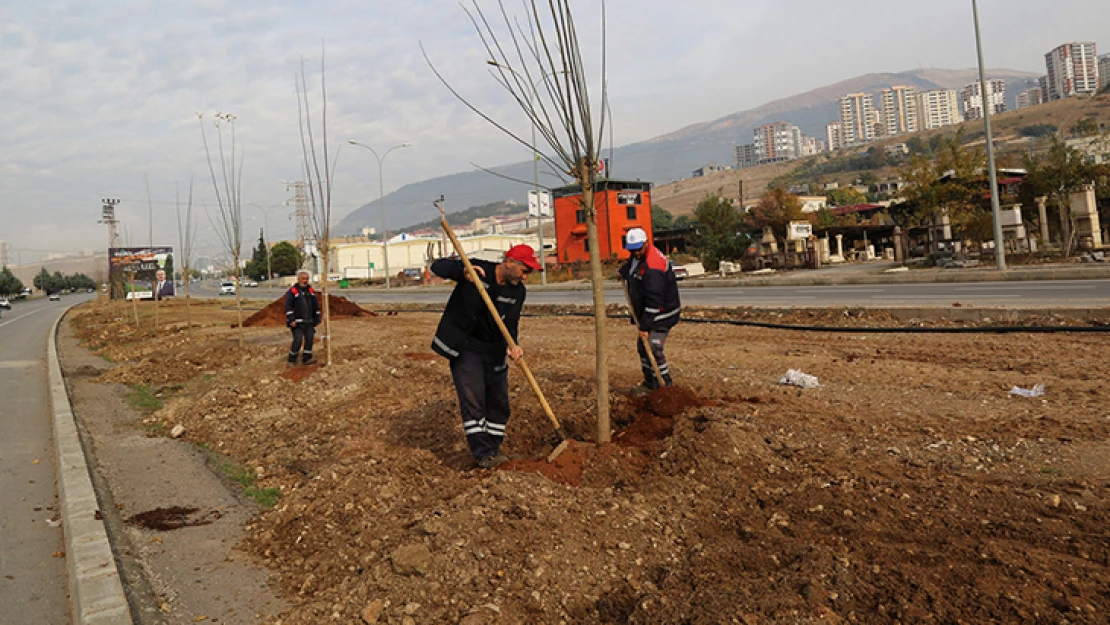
19 317
933 297
1026 287
835 289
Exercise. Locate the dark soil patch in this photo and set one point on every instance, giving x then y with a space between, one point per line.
297 374
421 355
172 518
273 315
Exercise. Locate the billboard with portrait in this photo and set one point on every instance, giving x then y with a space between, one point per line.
138 266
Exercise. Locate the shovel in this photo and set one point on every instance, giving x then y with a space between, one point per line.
643 339
505 333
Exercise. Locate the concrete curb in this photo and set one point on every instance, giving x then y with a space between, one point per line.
95 591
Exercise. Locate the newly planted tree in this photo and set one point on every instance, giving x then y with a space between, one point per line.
538 61
186 241
229 225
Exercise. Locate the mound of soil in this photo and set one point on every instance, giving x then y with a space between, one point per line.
274 313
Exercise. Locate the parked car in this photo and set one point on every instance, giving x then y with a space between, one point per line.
680 272
55 297
250 284
227 288
4 303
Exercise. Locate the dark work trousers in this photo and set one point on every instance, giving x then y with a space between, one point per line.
483 390
657 338
302 333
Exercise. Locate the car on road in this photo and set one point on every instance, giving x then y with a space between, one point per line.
55 297
4 303
251 284
227 288
680 272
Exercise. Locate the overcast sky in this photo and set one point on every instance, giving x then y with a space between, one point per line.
97 96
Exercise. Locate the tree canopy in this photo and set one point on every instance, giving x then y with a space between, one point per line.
721 234
9 284
776 208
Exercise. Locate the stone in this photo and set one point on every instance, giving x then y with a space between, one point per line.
373 611
412 559
177 431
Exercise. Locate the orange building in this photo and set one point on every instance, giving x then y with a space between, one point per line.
621 206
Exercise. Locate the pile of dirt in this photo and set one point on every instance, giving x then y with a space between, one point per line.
909 487
274 313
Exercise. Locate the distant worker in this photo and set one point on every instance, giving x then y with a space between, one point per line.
653 291
163 288
302 315
469 337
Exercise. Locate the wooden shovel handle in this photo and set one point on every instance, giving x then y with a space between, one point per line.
645 341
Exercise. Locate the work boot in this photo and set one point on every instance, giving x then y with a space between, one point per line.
308 361
490 462
640 390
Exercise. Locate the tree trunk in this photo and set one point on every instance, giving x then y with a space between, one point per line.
239 300
188 318
135 302
600 320
325 251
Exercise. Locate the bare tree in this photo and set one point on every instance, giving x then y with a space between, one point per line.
186 241
539 63
229 226
319 168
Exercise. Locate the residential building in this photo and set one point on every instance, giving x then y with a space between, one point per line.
1103 70
940 107
813 203
810 146
1095 149
1030 97
709 169
899 110
834 136
745 156
971 99
857 111
776 142
1072 70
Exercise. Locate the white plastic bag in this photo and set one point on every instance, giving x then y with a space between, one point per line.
1036 391
795 377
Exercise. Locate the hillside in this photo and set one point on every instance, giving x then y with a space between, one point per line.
681 197
661 159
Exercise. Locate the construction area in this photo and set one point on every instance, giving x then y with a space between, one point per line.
909 486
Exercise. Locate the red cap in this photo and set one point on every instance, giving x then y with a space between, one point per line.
525 254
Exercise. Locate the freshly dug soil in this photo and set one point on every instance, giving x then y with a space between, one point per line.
274 313
910 487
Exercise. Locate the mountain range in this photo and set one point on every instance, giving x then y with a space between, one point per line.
668 157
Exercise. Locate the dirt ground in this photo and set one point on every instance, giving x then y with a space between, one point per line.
909 487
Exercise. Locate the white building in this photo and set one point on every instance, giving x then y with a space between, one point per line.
834 136
857 112
1030 97
899 110
776 142
365 259
1072 70
971 99
937 108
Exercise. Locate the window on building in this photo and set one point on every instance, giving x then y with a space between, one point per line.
631 212
580 216
586 244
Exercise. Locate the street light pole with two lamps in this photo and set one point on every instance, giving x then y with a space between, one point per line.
381 197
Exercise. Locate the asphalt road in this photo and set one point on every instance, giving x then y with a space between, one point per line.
32 578
1032 294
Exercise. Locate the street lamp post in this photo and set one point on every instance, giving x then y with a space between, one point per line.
535 162
999 244
381 198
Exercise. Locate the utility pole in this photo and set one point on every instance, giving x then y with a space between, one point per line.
4 254
108 217
301 213
996 212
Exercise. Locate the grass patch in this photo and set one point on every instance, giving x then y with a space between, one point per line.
265 497
156 429
142 397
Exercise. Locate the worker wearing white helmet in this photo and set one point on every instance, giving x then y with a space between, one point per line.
653 294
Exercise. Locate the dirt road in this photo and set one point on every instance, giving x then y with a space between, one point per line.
908 487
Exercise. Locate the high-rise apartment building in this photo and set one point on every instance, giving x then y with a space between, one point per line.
1030 97
857 112
899 110
940 107
1072 70
745 156
972 101
776 142
833 136
1103 70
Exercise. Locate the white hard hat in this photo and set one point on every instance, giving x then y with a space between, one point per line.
635 239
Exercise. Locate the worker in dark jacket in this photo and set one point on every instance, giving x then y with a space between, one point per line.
469 337
653 291
302 315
